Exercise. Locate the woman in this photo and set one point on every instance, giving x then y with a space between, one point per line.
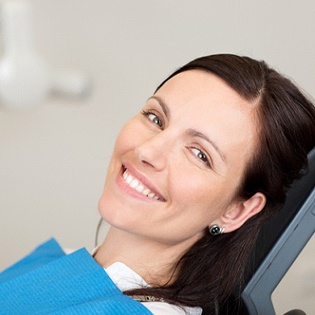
214 149
193 175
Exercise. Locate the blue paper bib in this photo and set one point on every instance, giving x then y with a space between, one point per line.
49 282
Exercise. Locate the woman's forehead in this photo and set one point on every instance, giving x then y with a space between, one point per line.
199 85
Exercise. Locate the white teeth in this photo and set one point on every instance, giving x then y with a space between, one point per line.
128 179
146 191
138 186
134 183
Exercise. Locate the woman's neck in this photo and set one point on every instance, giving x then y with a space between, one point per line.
153 261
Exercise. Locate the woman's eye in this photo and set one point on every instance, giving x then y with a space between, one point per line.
153 117
200 155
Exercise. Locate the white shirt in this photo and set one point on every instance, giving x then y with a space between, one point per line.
126 279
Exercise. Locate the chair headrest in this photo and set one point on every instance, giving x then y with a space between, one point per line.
272 229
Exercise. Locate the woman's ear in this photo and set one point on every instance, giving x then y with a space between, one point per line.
241 211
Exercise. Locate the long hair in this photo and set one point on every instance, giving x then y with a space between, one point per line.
213 268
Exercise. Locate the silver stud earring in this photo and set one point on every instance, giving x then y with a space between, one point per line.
216 230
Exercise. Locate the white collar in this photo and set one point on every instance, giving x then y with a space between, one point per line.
124 277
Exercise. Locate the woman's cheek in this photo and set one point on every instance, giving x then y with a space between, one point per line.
133 134
125 138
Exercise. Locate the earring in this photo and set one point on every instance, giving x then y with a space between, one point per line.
216 230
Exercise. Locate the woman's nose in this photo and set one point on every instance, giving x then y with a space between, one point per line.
153 152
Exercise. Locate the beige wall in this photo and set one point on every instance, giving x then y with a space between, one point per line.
53 159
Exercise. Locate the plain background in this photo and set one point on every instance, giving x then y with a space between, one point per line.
53 159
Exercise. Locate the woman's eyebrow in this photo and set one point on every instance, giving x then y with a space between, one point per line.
195 133
164 107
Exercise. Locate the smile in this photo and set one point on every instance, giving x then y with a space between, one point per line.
138 186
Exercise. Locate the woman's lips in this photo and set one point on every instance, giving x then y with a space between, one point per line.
137 184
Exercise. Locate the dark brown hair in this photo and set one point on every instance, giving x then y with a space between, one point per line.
213 268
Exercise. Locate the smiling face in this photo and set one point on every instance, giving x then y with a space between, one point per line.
177 165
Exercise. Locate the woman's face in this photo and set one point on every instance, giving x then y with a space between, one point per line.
176 165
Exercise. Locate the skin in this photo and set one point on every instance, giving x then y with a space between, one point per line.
192 144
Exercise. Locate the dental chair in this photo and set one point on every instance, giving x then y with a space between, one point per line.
277 249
